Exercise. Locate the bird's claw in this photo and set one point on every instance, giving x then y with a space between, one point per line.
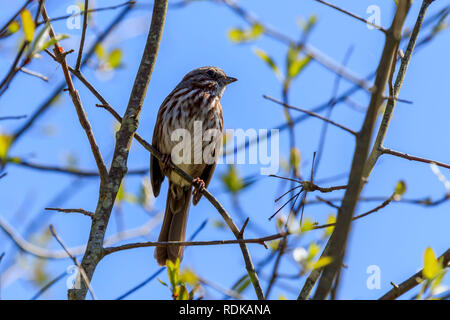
199 185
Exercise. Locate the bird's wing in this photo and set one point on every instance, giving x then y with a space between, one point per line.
156 173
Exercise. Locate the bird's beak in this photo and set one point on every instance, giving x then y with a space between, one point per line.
229 80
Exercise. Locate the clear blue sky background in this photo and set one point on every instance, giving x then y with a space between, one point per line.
393 238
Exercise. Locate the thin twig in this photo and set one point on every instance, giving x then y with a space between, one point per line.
69 171
413 158
80 269
82 211
13 117
83 35
128 4
353 16
312 114
376 151
128 246
34 74
61 58
49 101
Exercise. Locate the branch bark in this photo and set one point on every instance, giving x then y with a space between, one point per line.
377 149
338 239
124 136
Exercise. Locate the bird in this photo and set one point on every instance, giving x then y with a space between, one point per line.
189 119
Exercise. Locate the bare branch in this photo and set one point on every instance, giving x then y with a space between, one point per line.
70 171
34 74
339 237
260 241
61 58
108 191
413 281
83 35
353 15
128 4
381 135
82 211
311 114
413 158
44 253
80 269
47 103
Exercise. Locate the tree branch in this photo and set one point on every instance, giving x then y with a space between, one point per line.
353 16
81 270
381 135
108 191
412 281
338 239
61 58
83 35
413 158
312 114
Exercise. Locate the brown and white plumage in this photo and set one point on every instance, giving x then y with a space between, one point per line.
195 98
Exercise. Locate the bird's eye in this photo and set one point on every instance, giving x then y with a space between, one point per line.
211 73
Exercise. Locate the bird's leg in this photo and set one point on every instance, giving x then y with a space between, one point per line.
199 185
166 162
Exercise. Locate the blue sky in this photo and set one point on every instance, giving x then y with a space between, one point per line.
393 238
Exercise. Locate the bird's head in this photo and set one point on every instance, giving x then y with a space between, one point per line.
212 79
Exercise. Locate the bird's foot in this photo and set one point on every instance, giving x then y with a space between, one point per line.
199 186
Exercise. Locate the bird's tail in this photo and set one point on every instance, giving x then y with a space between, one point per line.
174 224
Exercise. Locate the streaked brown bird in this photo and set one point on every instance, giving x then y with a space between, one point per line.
188 132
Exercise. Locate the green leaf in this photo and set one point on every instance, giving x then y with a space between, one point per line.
274 244
307 225
28 25
295 158
162 282
115 58
13 27
233 180
100 51
313 250
5 143
181 293
188 276
124 196
329 230
400 189
52 42
307 26
270 62
218 224
243 284
322 262
173 270
431 266
238 35
297 66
